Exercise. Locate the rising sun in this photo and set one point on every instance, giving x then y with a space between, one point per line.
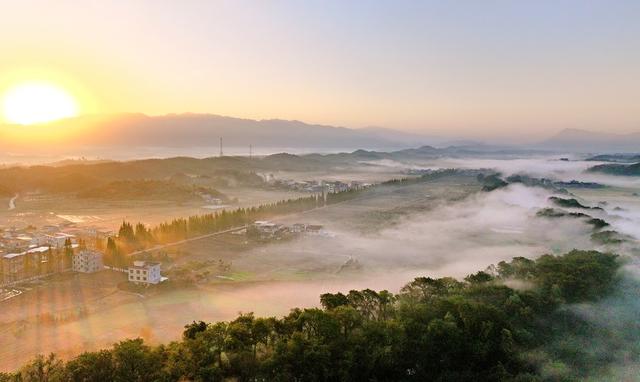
37 102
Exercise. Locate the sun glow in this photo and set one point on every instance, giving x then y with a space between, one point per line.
37 102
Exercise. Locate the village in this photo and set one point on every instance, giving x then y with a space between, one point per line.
30 254
314 186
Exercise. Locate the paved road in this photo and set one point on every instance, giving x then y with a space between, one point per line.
155 248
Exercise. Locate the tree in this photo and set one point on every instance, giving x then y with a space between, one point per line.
92 366
133 361
68 253
126 232
433 330
194 328
42 369
333 300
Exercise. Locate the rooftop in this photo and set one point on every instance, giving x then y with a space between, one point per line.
143 264
12 255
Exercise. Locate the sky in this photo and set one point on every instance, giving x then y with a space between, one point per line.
467 68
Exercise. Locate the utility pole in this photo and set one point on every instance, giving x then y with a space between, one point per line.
220 146
250 152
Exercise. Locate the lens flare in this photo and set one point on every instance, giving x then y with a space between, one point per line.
37 102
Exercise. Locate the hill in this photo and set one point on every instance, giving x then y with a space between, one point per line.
617 169
576 140
147 190
78 178
615 158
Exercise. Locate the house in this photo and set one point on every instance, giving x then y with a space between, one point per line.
262 229
145 272
13 267
25 239
57 240
314 229
298 228
87 261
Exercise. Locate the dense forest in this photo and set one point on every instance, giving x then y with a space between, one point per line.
512 322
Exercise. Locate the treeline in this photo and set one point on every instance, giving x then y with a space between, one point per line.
478 329
434 175
138 237
441 173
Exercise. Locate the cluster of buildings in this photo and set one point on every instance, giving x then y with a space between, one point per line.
32 253
54 236
315 186
266 230
210 199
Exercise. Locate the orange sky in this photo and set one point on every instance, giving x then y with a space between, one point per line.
464 69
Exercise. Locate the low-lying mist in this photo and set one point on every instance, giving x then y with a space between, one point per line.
456 239
447 240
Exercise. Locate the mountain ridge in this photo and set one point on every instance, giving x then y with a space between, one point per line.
581 140
205 130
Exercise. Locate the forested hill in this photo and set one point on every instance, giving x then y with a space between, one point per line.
480 329
80 177
240 169
617 169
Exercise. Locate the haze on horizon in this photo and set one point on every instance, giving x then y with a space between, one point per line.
472 69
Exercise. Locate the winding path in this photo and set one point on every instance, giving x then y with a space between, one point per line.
12 202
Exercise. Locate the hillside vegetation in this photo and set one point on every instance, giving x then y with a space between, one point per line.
147 190
478 329
617 169
90 179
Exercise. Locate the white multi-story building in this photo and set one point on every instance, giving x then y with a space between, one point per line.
145 272
56 240
87 261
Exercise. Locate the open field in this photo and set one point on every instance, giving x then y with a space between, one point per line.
45 209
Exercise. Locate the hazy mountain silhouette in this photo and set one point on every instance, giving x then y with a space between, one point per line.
204 130
589 141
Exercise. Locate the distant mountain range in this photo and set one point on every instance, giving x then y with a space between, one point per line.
186 132
576 140
205 130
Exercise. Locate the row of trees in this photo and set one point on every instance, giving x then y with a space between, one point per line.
478 329
133 238
433 175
